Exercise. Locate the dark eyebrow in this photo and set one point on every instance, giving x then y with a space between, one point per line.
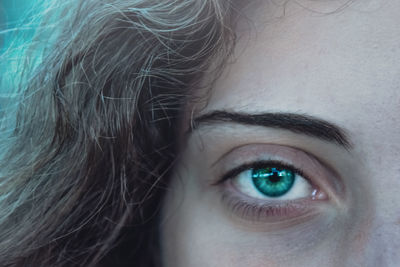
297 123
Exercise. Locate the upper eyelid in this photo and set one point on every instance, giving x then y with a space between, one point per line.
288 147
273 163
222 145
227 154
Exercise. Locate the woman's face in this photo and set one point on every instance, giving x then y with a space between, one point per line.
314 178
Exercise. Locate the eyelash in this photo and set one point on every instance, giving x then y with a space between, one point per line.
270 212
260 210
262 164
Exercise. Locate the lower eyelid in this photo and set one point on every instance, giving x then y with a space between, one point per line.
257 210
259 219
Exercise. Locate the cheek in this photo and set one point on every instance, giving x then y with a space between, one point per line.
193 234
188 230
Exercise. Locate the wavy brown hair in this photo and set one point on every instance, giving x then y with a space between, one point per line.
86 164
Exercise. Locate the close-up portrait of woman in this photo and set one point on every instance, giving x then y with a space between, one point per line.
200 133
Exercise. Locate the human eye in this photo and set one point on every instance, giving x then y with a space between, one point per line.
271 180
275 186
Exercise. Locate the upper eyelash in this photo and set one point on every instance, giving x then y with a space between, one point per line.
261 164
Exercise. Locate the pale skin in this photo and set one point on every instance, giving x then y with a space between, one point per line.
343 68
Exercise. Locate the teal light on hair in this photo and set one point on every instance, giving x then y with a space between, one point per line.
99 92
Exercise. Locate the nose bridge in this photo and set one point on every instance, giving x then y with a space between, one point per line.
384 242
377 233
375 240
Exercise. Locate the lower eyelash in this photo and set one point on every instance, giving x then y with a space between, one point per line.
271 211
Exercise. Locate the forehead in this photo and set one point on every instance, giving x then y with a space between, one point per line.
342 64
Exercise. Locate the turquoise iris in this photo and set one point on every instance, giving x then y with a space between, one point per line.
273 182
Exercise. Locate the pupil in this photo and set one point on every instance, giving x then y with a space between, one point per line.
274 178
